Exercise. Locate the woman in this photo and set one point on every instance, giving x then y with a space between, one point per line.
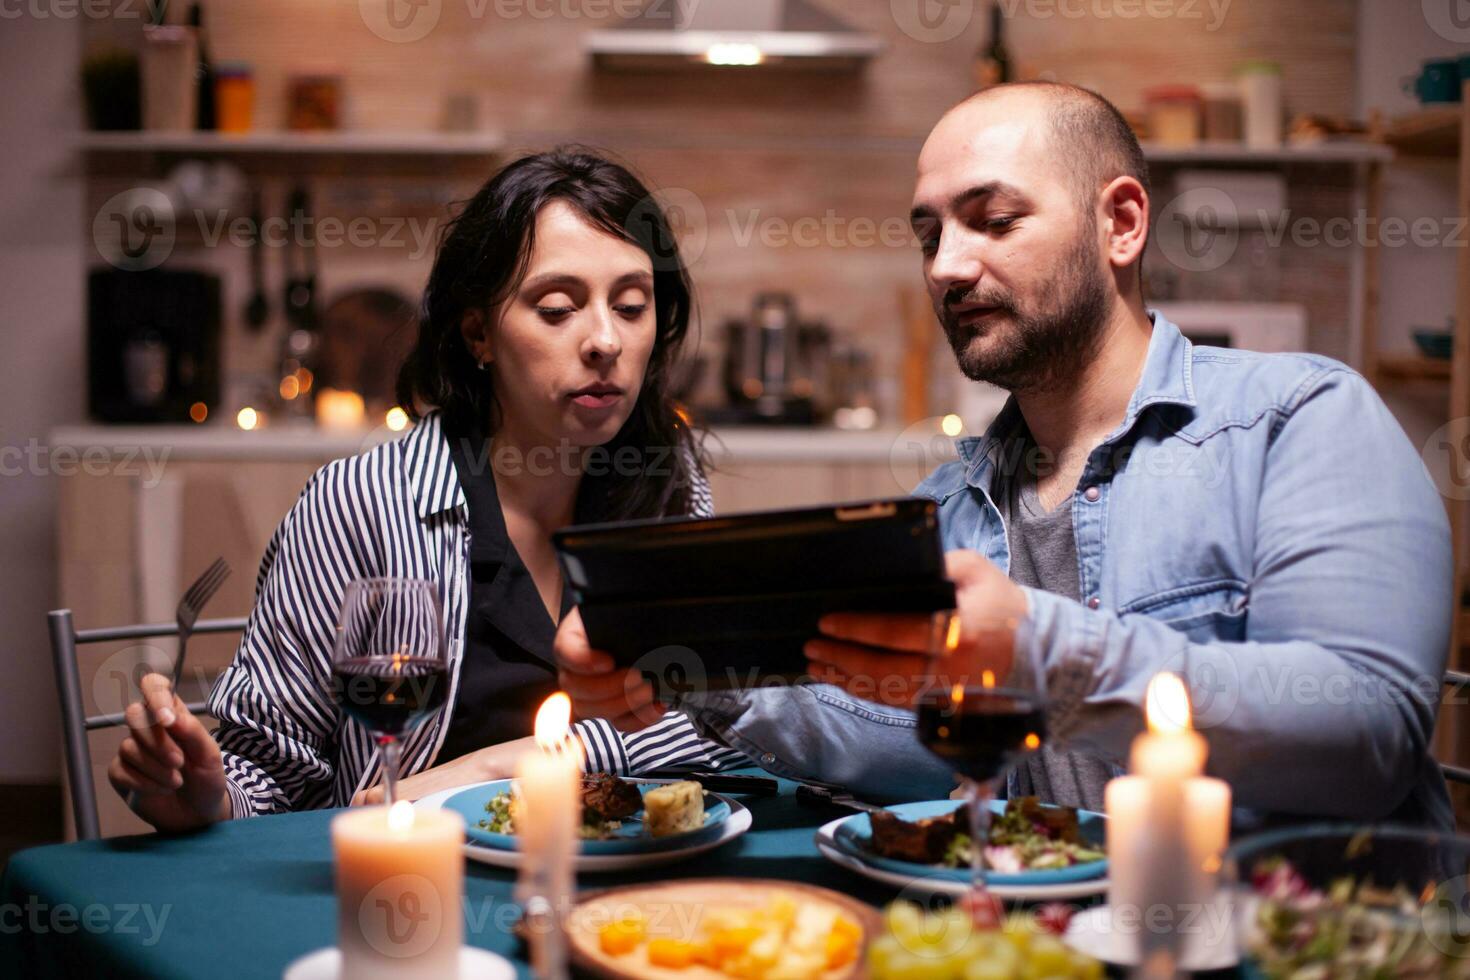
555 309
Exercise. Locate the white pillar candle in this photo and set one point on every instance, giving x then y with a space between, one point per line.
1167 824
548 787
400 878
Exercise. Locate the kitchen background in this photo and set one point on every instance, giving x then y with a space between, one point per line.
782 182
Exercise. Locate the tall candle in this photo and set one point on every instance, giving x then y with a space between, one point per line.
548 788
340 410
1167 823
400 878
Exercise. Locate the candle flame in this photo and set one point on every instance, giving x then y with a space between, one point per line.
553 722
1166 704
952 637
1033 741
987 678
957 694
400 817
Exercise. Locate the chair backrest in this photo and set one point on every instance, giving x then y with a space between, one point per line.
65 638
1456 685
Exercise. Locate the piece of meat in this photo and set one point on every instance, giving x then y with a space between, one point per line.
606 797
923 841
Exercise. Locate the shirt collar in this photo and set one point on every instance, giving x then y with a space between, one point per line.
431 477
1167 379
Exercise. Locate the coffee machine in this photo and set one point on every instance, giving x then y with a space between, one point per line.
775 365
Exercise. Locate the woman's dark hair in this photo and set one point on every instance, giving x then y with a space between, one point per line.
482 257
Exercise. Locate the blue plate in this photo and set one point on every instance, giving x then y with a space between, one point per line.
630 838
854 836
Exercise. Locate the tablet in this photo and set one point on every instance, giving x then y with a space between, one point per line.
728 602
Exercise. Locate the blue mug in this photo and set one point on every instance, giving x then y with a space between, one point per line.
1439 81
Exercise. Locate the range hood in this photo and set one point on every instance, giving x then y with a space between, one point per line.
675 34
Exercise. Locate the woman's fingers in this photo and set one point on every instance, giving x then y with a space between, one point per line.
149 765
125 779
151 737
158 698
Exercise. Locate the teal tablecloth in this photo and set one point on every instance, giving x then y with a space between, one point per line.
245 898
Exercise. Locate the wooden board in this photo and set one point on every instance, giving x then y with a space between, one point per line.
675 910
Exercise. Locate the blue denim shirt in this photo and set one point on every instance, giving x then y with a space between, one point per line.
1258 523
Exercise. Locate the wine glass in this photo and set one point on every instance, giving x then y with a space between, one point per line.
389 670
984 708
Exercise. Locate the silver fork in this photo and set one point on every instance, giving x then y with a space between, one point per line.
203 589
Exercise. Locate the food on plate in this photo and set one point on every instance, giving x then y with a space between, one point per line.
972 940
607 801
788 937
925 841
1354 930
674 809
1026 837
606 797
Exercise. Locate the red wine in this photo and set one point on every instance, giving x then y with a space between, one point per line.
388 696
982 732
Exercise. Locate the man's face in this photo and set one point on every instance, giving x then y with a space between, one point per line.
1012 259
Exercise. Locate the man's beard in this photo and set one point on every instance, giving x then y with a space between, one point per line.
1038 349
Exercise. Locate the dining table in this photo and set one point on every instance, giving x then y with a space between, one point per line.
244 898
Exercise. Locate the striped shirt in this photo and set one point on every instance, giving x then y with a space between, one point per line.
399 511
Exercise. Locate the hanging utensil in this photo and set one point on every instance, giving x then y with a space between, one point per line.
258 308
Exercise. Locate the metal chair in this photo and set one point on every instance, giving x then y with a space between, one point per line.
1456 684
65 638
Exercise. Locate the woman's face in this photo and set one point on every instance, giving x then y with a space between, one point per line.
571 345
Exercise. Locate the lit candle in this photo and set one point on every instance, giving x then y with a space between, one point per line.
1167 823
339 409
400 878
548 788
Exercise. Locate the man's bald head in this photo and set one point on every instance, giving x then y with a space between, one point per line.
1088 134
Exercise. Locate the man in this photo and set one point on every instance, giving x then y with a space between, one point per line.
1258 523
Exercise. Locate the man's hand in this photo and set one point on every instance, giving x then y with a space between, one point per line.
169 768
597 688
491 762
890 657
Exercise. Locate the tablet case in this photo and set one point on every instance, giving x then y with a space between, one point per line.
729 602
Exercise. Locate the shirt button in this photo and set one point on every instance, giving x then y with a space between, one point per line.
767 758
1094 602
1092 493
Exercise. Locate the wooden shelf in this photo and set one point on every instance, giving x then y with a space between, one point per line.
1413 367
1323 151
295 144
1431 133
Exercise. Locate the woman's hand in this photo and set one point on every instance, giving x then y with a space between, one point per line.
491 762
890 658
599 689
169 769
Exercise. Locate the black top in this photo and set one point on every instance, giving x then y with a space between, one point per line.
507 667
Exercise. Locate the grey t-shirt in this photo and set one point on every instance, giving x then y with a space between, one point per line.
1044 556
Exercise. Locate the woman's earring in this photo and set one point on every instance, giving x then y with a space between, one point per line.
480 365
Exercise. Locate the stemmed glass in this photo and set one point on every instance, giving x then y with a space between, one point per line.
984 709
389 669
